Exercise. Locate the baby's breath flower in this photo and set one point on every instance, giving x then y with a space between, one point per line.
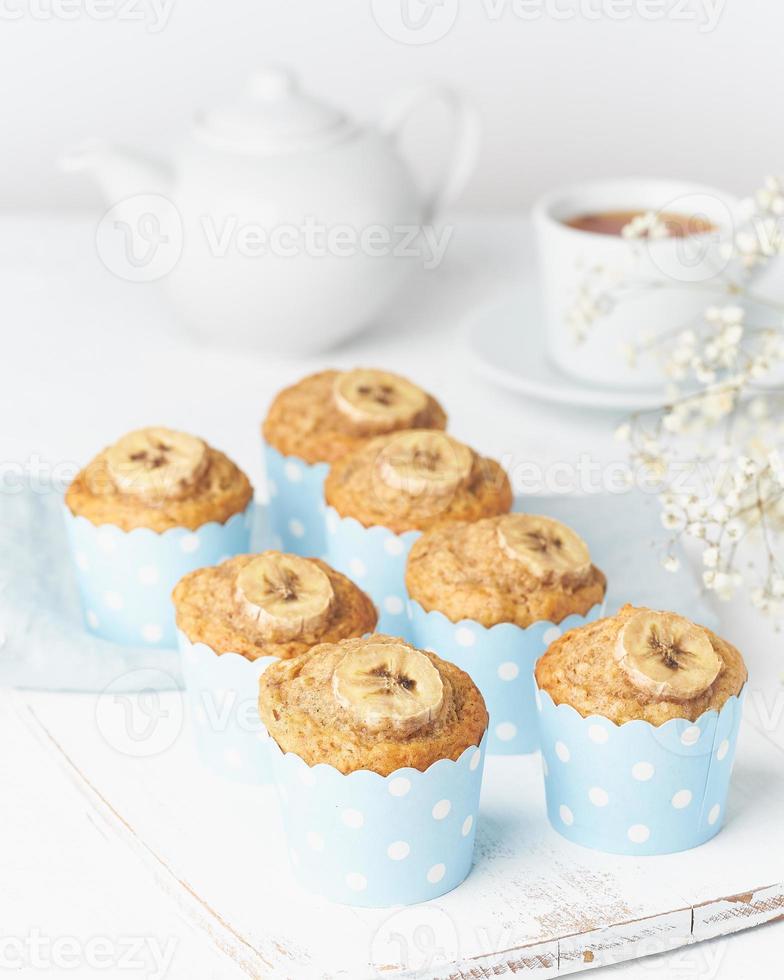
732 314
646 225
623 432
673 421
717 425
672 520
704 374
723 585
776 464
710 557
670 563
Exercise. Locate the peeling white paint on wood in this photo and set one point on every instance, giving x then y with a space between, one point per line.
534 905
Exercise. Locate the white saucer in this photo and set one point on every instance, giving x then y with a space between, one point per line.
507 344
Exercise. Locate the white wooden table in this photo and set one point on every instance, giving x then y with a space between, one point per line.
182 876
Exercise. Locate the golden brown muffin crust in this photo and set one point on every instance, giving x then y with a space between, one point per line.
353 488
207 612
460 570
301 713
304 421
221 492
580 669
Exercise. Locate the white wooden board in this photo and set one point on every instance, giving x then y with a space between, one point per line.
533 905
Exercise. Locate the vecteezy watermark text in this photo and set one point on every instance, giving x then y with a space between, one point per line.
152 14
419 22
37 951
582 473
318 240
142 238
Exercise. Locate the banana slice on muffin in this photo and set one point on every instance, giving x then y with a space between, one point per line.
159 478
270 604
415 479
157 463
389 683
326 415
547 548
513 568
286 596
642 664
374 703
378 398
667 656
424 461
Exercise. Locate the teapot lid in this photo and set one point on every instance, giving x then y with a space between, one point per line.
273 116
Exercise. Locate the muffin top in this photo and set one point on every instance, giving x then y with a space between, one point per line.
642 664
375 704
328 414
514 568
270 605
159 479
415 480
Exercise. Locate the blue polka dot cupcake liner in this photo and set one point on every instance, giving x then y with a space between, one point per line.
636 788
222 692
296 503
376 841
125 578
501 661
375 558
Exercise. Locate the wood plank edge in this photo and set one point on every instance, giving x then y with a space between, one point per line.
734 913
623 941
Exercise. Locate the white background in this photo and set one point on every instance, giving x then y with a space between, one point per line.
564 96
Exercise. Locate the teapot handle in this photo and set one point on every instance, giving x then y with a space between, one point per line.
465 142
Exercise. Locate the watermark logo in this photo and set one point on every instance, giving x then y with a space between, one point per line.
140 713
415 21
140 238
416 941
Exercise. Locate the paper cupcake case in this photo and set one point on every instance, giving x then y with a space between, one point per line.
126 578
500 659
636 788
296 503
375 558
376 841
222 693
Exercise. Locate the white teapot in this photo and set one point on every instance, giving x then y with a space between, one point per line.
284 226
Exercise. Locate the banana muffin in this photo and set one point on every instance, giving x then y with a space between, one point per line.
514 568
270 605
642 664
375 703
159 479
414 480
328 414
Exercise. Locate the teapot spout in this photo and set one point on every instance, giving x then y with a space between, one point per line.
120 173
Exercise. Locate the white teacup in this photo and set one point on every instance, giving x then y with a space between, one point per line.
646 288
